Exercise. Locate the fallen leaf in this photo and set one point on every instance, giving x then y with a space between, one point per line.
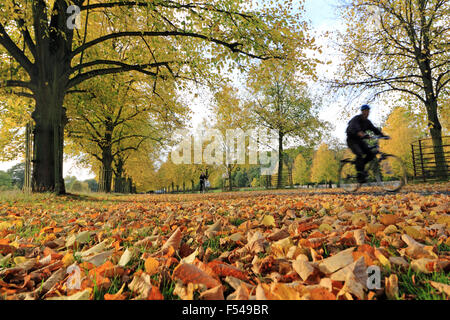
190 273
151 265
337 261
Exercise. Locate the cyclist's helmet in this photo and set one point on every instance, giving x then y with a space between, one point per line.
365 107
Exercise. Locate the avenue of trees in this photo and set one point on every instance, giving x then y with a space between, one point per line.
48 54
106 87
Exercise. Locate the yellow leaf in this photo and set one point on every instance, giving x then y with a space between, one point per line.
325 227
384 261
414 233
151 266
4 226
268 221
326 205
18 223
20 260
68 259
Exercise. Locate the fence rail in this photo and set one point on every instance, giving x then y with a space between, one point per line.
431 162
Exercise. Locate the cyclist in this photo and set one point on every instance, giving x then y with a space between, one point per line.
356 132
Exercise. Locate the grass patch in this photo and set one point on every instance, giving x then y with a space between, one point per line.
419 288
237 222
99 294
374 242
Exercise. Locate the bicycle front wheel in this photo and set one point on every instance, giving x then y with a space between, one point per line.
348 176
392 173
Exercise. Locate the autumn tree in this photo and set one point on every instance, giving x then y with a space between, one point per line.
281 103
325 166
400 46
51 54
301 169
116 116
230 113
402 127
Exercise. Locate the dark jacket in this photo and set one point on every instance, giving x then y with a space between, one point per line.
357 124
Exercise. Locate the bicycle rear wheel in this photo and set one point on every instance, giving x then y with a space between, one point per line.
348 176
392 173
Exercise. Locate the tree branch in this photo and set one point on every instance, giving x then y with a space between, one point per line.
231 46
94 73
16 53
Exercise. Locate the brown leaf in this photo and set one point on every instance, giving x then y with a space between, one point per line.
213 294
442 287
174 241
189 273
391 286
388 219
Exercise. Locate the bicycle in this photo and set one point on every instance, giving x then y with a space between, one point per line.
385 170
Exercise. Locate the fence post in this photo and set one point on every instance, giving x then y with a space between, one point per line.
421 161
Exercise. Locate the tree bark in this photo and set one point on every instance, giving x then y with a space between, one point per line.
106 177
230 179
280 161
49 118
436 137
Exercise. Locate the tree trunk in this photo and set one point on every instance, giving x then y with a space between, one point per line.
439 156
106 173
230 180
431 105
50 119
436 137
119 185
280 161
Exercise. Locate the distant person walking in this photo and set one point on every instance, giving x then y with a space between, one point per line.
202 182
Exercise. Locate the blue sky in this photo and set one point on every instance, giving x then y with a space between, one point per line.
320 12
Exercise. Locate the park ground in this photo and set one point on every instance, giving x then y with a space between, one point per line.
291 244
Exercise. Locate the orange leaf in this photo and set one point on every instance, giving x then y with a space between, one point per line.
388 219
117 296
307 226
224 270
155 294
190 273
321 294
151 266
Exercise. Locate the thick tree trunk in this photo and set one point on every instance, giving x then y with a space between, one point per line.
119 185
106 173
50 119
436 137
439 156
431 104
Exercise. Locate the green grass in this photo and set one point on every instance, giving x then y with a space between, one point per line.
99 294
374 242
420 289
237 222
442 248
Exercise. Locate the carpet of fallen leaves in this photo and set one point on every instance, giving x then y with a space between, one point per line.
308 244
